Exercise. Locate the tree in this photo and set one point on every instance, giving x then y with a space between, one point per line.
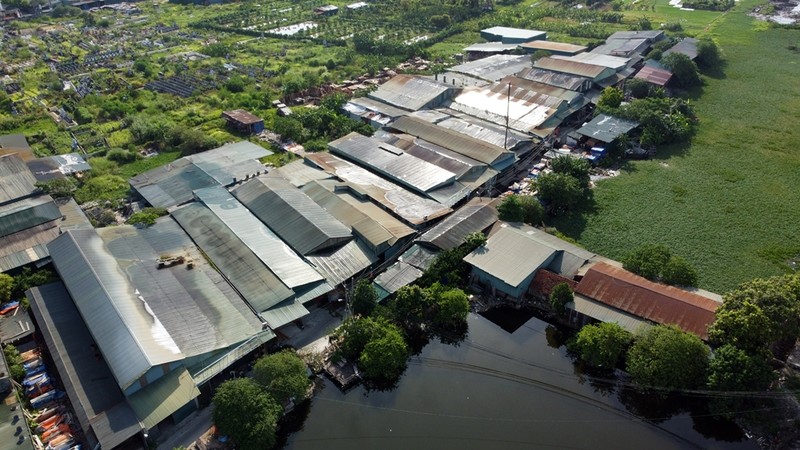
610 98
510 209
678 272
684 69
29 278
733 369
385 357
6 286
778 298
538 54
577 168
451 306
648 260
708 54
744 326
410 305
560 191
246 413
283 375
532 210
14 360
559 297
58 187
638 88
603 344
665 356
365 298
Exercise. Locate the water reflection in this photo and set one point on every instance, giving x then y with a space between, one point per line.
501 389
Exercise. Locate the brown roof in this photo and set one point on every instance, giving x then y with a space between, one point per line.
242 116
656 302
554 46
571 67
659 77
544 282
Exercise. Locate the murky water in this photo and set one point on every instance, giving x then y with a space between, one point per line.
501 390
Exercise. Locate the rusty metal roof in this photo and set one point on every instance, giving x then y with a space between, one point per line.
242 116
560 47
654 75
656 302
570 67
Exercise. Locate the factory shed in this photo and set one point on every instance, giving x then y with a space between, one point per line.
16 144
508 35
268 247
409 268
559 80
240 266
299 173
404 204
172 184
555 48
594 72
412 93
686 46
477 215
16 180
606 128
101 410
292 215
392 162
57 166
374 112
645 299
484 49
493 155
616 63
374 226
494 67
343 263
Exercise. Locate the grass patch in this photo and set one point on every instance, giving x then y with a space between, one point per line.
728 202
143 165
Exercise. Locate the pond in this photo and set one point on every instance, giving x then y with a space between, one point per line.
510 390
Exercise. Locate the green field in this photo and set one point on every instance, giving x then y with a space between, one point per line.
730 200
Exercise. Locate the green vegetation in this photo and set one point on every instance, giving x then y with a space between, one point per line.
559 297
665 356
283 375
246 413
657 263
364 298
704 199
14 360
146 216
733 369
6 287
448 268
376 344
521 208
602 345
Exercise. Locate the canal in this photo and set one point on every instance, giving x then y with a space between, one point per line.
504 390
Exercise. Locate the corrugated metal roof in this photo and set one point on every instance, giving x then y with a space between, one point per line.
172 185
486 132
57 166
654 75
308 293
644 34
454 141
292 215
510 255
198 309
373 110
160 399
434 154
411 92
130 337
369 225
560 47
396 276
612 62
299 173
419 257
95 397
451 194
687 46
392 162
623 47
27 213
659 303
16 180
477 215
490 47
269 248
523 109
412 208
561 80
558 244
514 33
571 67
604 313
606 128
341 264
494 67
251 278
284 312
241 116
72 215
26 246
